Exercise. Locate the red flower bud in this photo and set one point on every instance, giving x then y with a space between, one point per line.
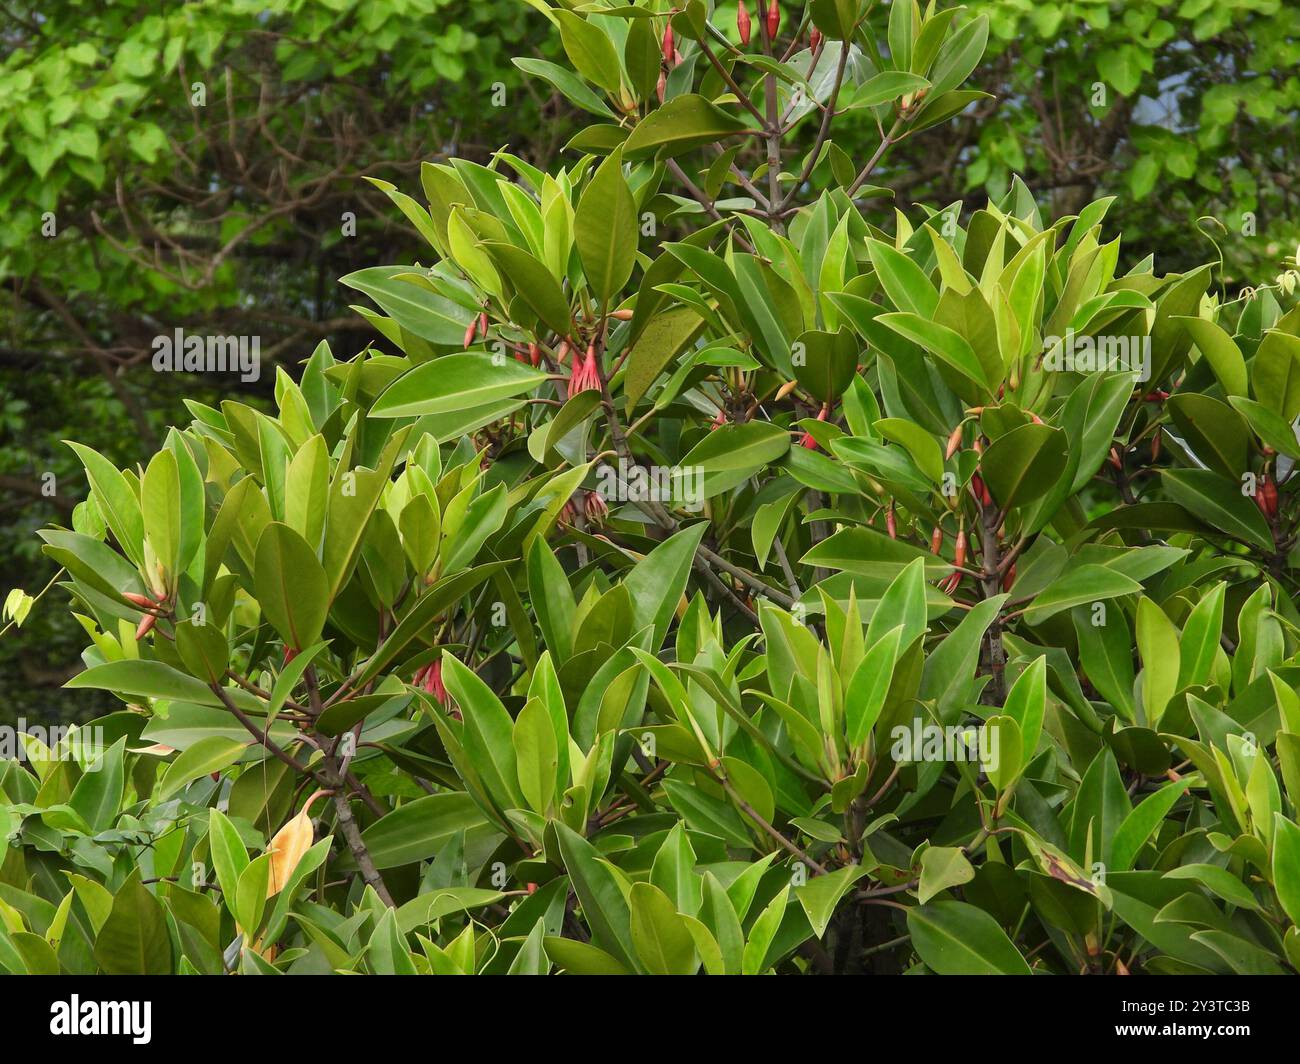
1266 497
1010 578
891 522
289 655
959 557
662 87
936 540
145 625
470 330
534 355
773 20
815 39
743 25
568 514
669 45
138 600
433 683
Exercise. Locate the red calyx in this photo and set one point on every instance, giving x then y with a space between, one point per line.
670 46
773 20
1266 497
743 24
430 678
596 509
584 377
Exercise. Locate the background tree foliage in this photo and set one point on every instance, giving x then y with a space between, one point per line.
225 218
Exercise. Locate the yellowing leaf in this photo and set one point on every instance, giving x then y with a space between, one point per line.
286 849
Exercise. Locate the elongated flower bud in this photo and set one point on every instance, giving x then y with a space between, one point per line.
954 442
815 40
483 324
433 683
624 314
1266 497
534 355
669 45
661 88
936 540
959 557
773 20
145 625
138 600
1010 578
891 522
743 24
470 330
